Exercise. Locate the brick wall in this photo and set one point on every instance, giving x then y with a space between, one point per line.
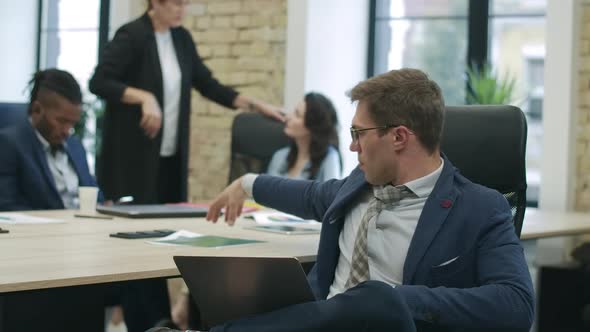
243 43
583 129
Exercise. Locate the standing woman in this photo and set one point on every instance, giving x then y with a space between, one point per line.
146 74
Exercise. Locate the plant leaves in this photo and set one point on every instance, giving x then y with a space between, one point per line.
486 87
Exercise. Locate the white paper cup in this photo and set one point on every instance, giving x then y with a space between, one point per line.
87 197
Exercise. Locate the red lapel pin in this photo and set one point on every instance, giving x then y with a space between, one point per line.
446 203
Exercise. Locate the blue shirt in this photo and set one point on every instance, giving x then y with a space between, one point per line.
329 169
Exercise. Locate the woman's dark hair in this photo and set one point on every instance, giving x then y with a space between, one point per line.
322 122
55 80
149 4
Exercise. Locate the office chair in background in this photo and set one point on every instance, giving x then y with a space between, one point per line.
11 113
255 138
487 143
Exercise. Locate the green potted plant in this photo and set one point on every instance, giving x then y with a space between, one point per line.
80 126
94 108
486 87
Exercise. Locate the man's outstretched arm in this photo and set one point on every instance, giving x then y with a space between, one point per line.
306 199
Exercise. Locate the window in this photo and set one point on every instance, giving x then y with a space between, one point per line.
430 35
442 37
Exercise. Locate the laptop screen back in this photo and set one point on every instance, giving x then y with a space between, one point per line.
229 288
152 211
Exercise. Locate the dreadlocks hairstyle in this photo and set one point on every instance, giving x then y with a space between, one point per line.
322 122
55 80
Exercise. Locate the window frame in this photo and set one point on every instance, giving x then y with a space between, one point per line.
477 33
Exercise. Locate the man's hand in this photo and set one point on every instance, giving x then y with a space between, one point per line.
232 199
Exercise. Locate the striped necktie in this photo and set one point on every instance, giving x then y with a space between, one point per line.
384 196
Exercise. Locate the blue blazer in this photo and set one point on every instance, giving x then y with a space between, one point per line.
487 286
26 183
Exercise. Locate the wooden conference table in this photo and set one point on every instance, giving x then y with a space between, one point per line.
79 253
543 224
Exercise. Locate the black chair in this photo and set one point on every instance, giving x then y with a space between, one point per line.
487 144
563 297
11 113
254 140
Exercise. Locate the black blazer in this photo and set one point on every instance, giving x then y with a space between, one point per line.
128 161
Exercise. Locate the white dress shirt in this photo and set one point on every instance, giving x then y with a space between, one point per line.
388 237
171 83
64 174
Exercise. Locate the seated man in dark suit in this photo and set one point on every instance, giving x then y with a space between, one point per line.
42 165
407 242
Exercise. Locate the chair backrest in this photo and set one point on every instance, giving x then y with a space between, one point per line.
11 113
487 144
255 138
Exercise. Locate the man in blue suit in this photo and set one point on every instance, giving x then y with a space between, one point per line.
42 165
407 242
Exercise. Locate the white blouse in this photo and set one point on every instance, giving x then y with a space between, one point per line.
171 78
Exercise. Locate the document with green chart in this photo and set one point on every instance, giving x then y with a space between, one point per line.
186 238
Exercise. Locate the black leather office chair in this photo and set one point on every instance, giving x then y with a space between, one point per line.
11 113
487 143
254 140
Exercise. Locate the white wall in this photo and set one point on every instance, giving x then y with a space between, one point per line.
560 105
327 44
18 37
123 11
559 121
295 59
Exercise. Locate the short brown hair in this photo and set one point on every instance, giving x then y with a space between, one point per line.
405 97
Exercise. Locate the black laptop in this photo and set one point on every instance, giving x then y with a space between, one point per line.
152 211
229 288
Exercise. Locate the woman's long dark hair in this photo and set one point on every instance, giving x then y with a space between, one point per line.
322 122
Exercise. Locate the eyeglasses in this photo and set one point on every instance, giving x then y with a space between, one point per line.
355 133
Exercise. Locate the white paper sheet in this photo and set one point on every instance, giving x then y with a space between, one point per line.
23 219
280 218
174 236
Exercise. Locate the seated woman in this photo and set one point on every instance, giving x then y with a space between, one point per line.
313 152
